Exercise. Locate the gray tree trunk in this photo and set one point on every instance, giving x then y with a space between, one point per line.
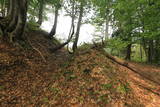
54 28
78 28
40 15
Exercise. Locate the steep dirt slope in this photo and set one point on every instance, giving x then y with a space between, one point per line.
34 77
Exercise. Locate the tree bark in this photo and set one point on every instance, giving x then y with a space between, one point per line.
54 28
107 24
107 29
3 8
22 17
157 51
40 15
141 52
128 56
150 51
13 16
78 28
10 8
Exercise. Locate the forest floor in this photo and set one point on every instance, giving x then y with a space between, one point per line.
35 77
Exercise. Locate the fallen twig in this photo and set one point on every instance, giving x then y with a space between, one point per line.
37 51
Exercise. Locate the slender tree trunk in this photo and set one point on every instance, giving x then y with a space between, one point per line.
107 29
150 51
157 51
141 54
3 8
128 56
54 28
107 24
41 8
10 7
78 28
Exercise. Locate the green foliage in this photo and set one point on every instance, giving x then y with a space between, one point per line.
32 25
136 53
123 88
1 87
116 46
107 86
45 99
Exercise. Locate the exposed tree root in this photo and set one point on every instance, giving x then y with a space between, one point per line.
150 90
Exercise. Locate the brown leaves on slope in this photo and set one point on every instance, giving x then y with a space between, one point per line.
87 79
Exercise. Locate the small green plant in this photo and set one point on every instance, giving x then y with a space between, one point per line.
69 75
45 99
103 98
107 86
55 90
66 64
1 87
80 99
123 88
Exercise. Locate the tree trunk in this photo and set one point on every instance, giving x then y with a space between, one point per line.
157 52
3 8
150 51
13 16
141 53
107 24
54 28
71 33
107 29
128 56
22 17
10 7
40 15
78 28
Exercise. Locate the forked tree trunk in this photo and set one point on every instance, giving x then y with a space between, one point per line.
13 14
21 22
15 21
54 28
78 28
